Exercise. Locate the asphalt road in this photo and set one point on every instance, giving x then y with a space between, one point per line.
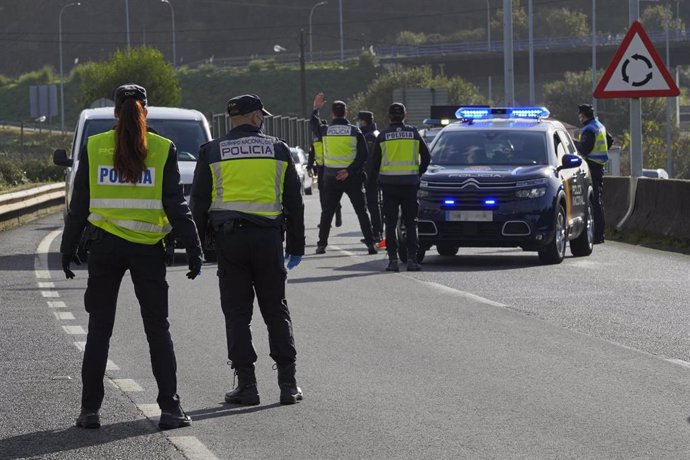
484 355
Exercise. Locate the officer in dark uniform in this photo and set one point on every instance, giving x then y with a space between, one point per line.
366 123
247 189
593 145
345 152
399 159
315 164
128 208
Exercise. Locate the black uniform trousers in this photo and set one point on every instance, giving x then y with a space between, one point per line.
374 207
322 194
597 172
404 197
334 189
250 263
109 258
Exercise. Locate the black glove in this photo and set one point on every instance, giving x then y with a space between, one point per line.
195 262
66 260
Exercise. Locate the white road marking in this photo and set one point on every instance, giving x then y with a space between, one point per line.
51 294
46 284
80 345
679 362
467 295
192 448
41 260
150 411
127 385
111 366
63 315
74 330
57 304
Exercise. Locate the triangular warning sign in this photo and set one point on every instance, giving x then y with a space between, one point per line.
636 70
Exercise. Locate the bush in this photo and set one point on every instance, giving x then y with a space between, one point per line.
11 172
42 171
38 77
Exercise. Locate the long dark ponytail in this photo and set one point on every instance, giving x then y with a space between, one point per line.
131 145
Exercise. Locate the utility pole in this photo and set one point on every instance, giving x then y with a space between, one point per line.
530 14
635 111
302 75
508 69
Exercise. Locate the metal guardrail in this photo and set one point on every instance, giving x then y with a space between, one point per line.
17 207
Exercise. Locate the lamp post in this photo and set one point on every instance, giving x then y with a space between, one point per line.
530 15
311 42
174 50
488 38
342 49
127 21
508 62
594 51
62 78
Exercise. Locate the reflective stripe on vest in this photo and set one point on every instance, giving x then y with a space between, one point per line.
133 211
400 157
599 153
318 151
339 150
249 185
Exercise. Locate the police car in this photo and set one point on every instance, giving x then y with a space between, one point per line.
506 177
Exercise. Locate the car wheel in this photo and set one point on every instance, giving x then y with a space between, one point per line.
583 244
447 249
554 252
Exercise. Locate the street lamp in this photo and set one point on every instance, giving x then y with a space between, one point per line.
62 78
127 20
342 50
172 12
311 57
488 38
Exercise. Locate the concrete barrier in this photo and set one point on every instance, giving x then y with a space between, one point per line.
616 198
17 208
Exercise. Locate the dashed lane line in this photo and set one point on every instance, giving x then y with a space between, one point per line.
56 304
80 345
111 366
50 294
74 330
46 285
192 448
63 315
127 385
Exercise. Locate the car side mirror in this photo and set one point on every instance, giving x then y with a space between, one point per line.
570 161
60 158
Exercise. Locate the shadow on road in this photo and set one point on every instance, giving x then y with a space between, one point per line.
226 410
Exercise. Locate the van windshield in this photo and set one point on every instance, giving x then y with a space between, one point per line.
187 135
489 147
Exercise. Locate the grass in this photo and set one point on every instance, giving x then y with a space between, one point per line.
649 240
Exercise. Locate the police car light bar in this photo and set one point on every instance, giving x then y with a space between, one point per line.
473 113
436 121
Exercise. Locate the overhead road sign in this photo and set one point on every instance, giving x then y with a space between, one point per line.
636 70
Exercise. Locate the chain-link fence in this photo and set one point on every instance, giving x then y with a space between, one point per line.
294 131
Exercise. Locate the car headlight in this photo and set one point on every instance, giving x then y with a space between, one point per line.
423 184
533 182
422 193
535 192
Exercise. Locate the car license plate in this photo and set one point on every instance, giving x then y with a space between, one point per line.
470 216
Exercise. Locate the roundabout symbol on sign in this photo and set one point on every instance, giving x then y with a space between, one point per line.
626 77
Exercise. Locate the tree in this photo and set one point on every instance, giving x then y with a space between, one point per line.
143 66
563 22
379 95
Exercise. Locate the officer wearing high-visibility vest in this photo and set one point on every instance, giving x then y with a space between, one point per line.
594 145
127 197
345 152
399 159
315 163
247 189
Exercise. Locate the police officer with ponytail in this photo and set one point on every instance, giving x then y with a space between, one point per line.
247 189
399 159
126 199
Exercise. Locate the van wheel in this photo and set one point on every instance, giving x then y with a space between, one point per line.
583 244
447 250
554 252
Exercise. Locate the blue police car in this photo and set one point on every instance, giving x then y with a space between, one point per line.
506 177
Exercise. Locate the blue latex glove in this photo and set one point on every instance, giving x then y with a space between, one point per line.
292 261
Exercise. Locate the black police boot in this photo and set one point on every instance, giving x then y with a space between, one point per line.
174 418
320 249
413 265
290 393
89 419
393 266
246 392
338 218
371 249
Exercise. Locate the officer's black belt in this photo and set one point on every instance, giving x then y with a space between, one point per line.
233 224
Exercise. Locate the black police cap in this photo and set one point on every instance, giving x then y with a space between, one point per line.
397 109
246 103
365 115
585 109
124 92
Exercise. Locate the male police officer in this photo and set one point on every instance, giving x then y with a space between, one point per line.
399 159
365 120
246 187
345 152
594 144
315 163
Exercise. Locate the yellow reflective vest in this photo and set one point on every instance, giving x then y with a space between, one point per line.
599 153
133 211
248 177
318 151
339 146
399 153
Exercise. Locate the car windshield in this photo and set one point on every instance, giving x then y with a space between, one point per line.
489 147
187 135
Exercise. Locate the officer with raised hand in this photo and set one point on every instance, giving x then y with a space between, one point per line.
399 159
127 195
594 145
315 163
345 152
247 189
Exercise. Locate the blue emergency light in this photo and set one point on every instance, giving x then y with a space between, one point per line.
449 202
474 113
490 202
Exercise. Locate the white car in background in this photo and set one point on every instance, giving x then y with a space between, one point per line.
300 160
